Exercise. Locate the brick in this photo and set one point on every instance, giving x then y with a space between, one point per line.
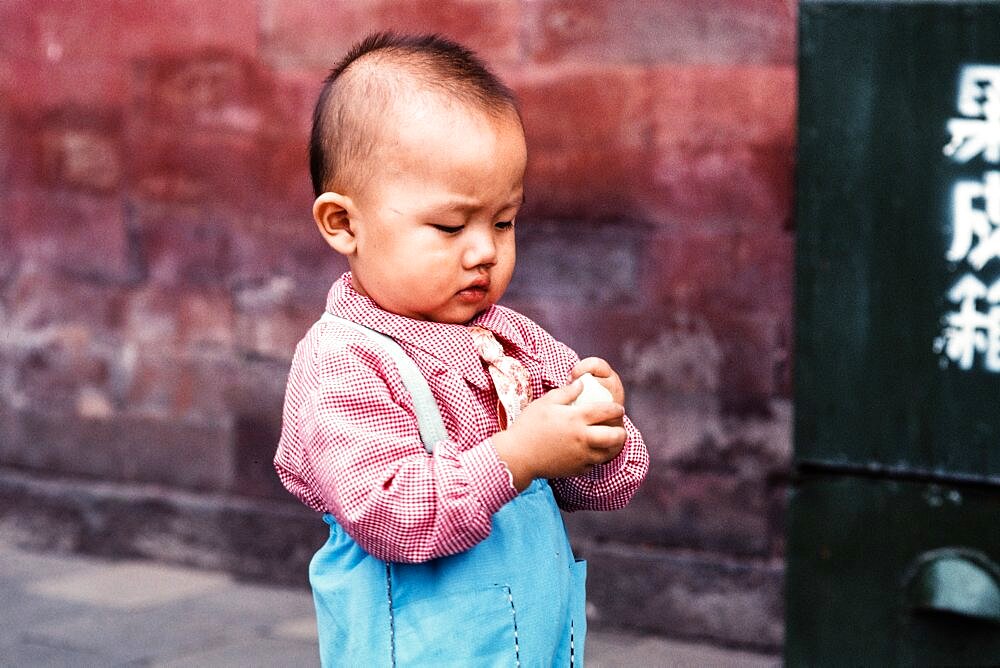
40 300
702 510
712 31
200 166
66 373
319 33
739 355
11 428
255 390
695 511
293 99
9 254
185 454
269 541
264 248
311 264
64 148
286 188
201 387
721 185
701 268
60 230
269 321
275 335
58 54
28 85
756 360
733 289
285 185
164 319
81 149
687 429
691 266
7 134
703 104
209 246
251 175
778 517
62 351
573 262
706 342
588 134
83 158
209 90
255 439
260 247
711 485
184 246
177 386
119 30
683 357
764 265
54 442
699 597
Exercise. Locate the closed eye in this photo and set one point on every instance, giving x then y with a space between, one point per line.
505 224
447 229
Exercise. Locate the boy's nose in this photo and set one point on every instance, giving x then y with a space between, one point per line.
482 250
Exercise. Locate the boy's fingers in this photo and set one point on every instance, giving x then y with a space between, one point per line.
602 411
592 365
603 436
566 394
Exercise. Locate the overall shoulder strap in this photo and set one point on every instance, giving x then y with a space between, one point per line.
428 415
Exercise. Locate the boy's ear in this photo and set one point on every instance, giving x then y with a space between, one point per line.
334 215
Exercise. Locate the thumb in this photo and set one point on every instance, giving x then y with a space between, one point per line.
566 394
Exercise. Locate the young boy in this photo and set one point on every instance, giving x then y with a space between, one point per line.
446 542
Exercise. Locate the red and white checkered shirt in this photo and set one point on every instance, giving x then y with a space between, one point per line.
350 444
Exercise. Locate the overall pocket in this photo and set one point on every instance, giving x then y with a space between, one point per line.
473 627
577 612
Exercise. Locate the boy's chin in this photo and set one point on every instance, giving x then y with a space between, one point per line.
461 316
451 316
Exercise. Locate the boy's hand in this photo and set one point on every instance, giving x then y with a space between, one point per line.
554 439
607 377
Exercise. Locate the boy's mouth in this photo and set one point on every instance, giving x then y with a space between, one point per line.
475 290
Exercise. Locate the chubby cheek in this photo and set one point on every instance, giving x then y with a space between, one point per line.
500 279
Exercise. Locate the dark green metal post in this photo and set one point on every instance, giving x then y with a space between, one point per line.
894 527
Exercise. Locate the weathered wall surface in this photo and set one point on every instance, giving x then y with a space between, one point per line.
158 263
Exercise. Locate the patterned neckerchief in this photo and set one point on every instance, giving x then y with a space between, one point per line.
510 378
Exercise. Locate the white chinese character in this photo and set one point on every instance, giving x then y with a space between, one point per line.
976 227
992 360
979 101
968 330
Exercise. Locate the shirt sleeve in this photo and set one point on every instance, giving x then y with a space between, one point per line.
609 486
360 458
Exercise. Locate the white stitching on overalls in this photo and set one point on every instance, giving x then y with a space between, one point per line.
572 641
392 618
513 614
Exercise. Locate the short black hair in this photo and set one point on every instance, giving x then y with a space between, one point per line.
352 103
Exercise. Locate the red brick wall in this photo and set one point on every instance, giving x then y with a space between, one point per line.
158 260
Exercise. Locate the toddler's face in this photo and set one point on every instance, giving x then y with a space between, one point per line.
435 225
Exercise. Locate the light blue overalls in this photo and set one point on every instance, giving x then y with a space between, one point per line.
515 599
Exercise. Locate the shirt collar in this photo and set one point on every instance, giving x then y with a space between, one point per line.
450 344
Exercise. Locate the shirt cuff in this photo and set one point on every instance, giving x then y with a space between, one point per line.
621 461
489 476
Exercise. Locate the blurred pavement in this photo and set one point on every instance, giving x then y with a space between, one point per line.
74 610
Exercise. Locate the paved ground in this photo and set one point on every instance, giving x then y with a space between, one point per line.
71 610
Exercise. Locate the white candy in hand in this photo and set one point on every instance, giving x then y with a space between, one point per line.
593 391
